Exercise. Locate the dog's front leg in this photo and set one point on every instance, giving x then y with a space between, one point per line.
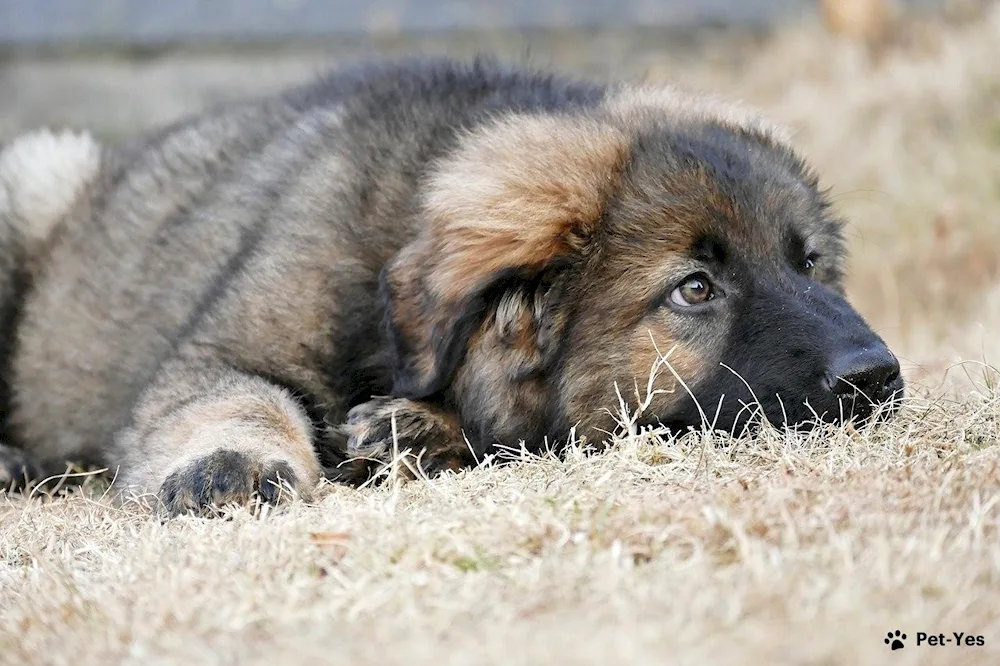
204 434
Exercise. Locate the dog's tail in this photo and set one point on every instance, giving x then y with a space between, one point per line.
42 175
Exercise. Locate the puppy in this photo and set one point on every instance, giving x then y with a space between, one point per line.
440 257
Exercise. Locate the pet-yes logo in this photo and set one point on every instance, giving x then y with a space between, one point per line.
896 640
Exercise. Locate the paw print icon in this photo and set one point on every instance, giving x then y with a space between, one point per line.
894 639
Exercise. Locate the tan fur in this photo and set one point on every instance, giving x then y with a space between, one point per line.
677 104
640 351
654 351
500 360
518 194
515 194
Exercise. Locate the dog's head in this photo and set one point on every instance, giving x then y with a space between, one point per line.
563 256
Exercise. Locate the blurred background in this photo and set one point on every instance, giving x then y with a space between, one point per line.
897 103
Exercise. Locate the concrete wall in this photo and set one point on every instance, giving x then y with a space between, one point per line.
33 21
248 47
164 21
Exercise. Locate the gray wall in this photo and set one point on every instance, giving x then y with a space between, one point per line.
163 21
116 92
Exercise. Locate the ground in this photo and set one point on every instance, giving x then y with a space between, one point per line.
805 549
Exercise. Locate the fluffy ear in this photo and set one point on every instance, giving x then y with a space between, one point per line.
514 199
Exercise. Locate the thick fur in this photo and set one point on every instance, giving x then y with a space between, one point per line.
42 175
422 256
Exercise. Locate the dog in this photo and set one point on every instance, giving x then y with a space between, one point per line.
430 256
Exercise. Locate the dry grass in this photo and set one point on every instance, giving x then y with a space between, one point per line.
781 549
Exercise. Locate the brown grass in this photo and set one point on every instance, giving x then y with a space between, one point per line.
799 549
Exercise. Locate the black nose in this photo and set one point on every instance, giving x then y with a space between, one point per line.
871 370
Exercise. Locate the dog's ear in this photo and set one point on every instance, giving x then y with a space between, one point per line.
514 200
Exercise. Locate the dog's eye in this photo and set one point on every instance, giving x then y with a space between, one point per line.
694 290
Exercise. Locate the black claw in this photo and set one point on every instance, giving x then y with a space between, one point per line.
17 469
230 478
200 487
276 479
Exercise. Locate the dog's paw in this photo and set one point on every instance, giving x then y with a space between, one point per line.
226 477
383 428
17 469
374 427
